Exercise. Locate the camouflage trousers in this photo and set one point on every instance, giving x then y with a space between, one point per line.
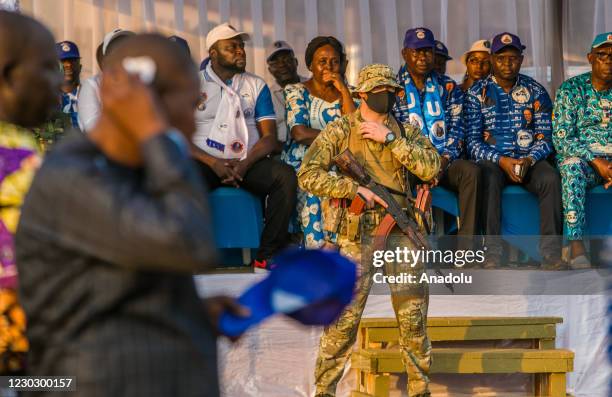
410 304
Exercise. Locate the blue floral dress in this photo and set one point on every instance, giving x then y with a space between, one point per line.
312 112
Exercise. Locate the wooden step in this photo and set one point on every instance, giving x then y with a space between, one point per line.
541 329
471 361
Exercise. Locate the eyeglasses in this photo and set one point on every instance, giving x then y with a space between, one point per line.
603 56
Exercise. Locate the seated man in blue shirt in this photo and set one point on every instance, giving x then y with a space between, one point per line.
433 103
508 121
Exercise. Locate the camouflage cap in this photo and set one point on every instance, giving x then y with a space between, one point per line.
376 75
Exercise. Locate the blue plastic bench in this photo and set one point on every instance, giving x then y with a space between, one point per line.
521 217
446 201
237 219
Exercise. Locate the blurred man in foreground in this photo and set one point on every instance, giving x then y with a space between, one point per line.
28 94
108 290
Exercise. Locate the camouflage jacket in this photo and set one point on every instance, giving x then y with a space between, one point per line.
414 151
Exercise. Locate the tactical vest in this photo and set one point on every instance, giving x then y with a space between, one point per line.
383 168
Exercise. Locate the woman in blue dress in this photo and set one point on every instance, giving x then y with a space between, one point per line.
311 105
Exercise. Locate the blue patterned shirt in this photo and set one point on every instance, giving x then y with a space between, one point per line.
452 98
515 124
70 105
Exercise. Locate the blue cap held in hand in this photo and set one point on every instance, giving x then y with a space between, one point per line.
311 286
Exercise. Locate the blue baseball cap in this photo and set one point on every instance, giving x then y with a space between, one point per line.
311 286
504 40
601 39
440 49
419 38
67 50
181 41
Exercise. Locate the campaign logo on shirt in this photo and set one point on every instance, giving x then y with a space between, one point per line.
455 110
439 129
237 146
202 102
215 145
528 116
524 139
415 120
521 94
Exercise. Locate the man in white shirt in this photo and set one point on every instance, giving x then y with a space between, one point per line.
282 64
236 133
89 94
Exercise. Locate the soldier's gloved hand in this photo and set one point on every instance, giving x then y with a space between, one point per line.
374 131
370 198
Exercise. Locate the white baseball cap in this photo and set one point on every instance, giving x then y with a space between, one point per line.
478 45
223 32
277 46
110 36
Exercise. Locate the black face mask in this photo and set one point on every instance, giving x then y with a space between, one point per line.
381 102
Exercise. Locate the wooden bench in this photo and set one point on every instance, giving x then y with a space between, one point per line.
548 366
377 332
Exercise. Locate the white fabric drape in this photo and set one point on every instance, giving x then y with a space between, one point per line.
372 30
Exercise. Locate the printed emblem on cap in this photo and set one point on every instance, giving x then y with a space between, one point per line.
439 45
278 44
65 47
487 44
420 34
506 39
231 27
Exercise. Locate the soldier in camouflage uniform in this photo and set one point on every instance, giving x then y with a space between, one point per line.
387 152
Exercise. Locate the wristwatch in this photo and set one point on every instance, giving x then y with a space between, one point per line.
389 138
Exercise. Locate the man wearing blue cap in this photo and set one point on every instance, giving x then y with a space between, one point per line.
433 103
441 57
68 54
508 121
582 135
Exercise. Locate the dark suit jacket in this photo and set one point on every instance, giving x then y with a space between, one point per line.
106 255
